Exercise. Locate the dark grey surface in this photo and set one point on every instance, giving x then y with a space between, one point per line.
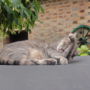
75 76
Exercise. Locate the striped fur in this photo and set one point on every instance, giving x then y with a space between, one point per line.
36 53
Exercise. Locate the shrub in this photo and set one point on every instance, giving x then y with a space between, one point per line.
18 14
83 50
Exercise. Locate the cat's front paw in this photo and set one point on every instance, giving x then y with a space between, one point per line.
63 60
51 61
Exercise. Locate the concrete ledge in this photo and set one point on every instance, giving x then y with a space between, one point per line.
75 76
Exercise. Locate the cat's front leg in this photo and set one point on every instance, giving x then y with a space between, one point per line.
48 61
62 60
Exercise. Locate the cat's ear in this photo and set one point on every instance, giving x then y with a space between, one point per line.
75 34
72 35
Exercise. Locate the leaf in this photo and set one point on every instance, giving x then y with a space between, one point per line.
16 2
84 48
84 54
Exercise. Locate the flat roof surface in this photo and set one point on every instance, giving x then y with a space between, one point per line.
74 76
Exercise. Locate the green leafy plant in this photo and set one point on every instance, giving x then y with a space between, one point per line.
18 15
83 50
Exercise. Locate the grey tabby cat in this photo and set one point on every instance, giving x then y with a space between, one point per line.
37 53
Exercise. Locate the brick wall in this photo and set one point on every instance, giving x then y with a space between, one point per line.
60 17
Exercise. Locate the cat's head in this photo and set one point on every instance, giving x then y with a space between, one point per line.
73 36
